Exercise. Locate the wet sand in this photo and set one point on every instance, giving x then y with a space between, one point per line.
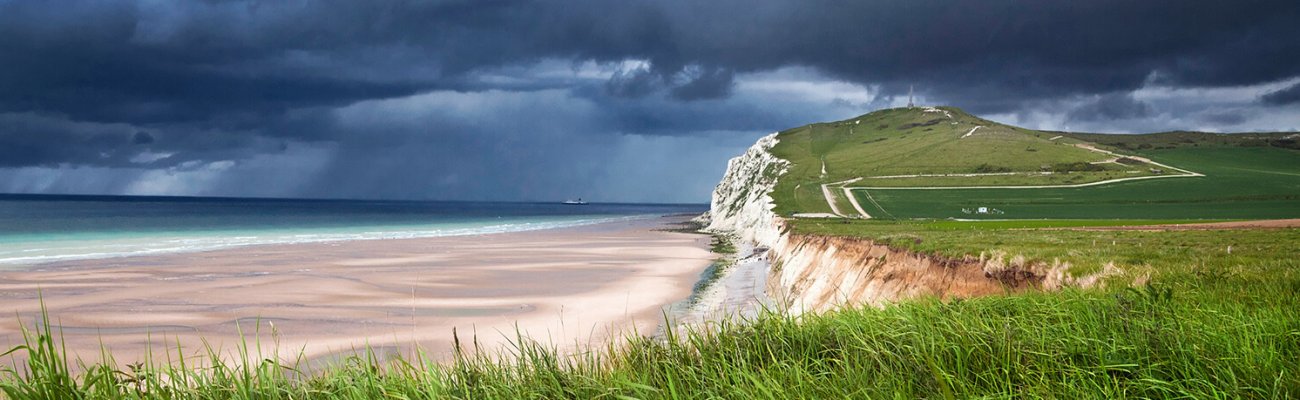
739 293
566 286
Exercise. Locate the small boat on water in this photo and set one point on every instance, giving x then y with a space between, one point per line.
577 202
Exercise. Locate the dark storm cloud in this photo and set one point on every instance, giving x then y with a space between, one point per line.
545 149
633 83
194 60
691 83
27 139
1224 117
141 138
705 83
1110 107
165 84
1289 95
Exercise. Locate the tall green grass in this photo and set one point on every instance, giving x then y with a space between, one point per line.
1214 323
1158 341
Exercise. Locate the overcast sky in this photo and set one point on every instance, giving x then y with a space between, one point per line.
608 100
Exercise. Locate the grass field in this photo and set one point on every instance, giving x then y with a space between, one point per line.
1183 139
1251 175
923 141
1240 183
1211 324
1023 179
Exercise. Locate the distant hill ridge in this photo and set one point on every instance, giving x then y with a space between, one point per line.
948 147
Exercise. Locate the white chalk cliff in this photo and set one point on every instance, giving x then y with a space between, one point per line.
818 273
741 202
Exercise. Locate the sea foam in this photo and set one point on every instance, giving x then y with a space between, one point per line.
18 253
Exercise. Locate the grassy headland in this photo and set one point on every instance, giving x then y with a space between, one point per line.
884 147
1218 314
886 154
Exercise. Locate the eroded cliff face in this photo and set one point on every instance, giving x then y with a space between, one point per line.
741 203
818 273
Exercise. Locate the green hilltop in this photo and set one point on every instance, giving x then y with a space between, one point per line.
873 164
923 141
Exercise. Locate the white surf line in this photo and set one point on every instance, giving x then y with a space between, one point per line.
972 132
830 200
854 201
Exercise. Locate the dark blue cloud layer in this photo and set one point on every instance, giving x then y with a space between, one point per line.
100 84
1288 95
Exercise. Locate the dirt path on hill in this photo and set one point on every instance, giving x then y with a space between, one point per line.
854 201
1183 174
830 197
830 201
1090 147
1079 185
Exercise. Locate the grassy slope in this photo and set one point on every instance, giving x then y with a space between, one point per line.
905 141
1240 182
1255 175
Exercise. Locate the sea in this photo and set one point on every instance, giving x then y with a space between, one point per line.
36 229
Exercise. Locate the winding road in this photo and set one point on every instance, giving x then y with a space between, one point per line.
848 190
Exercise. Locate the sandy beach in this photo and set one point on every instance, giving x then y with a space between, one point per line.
564 286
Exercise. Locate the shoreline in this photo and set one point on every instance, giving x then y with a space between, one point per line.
738 294
319 237
567 287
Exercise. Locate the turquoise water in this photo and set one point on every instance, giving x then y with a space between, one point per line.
42 229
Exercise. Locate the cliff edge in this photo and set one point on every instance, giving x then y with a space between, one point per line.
817 273
742 202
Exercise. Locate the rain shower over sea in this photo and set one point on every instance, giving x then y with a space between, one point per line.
37 229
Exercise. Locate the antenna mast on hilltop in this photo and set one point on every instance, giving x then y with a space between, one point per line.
909 97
